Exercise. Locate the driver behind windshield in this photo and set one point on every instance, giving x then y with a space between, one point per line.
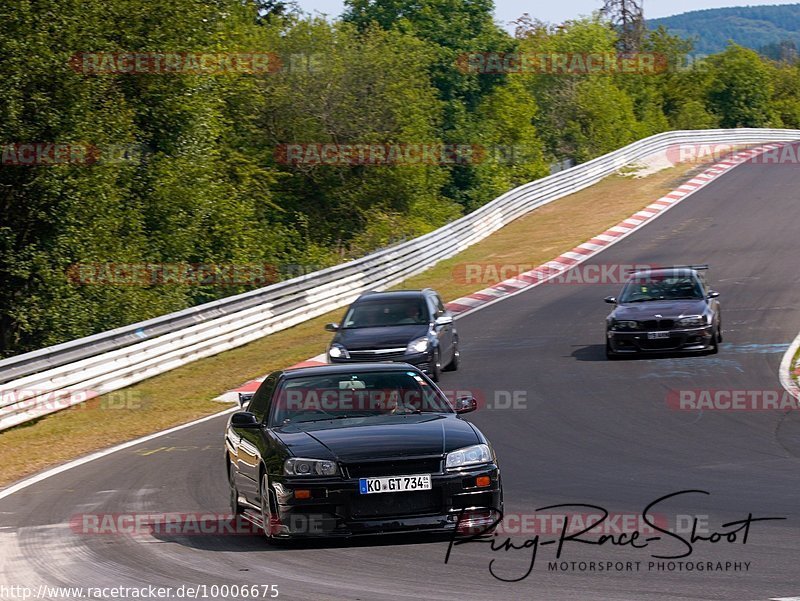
413 314
367 314
360 395
669 288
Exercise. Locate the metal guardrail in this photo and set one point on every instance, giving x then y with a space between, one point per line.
53 378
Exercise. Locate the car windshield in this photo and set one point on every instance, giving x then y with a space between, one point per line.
654 287
346 395
386 312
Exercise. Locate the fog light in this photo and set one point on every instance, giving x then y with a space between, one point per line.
483 481
302 493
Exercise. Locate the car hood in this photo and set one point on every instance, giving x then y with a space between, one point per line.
388 436
667 309
387 336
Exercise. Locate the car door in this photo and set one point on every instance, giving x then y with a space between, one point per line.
251 442
445 331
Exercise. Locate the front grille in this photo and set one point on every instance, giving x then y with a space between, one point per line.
377 354
378 505
659 344
655 325
395 467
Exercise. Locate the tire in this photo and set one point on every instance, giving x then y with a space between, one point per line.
236 509
610 355
436 366
715 343
454 362
266 510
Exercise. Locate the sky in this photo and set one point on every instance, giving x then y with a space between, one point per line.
556 12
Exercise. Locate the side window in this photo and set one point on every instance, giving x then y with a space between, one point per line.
259 404
435 305
440 310
431 303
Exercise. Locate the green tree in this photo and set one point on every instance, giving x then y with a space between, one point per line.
740 88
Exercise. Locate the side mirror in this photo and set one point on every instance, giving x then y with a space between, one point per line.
244 398
466 404
612 300
244 419
443 320
332 327
713 294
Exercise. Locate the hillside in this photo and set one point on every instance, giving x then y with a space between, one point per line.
751 26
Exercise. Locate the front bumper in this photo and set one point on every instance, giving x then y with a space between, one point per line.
337 509
683 340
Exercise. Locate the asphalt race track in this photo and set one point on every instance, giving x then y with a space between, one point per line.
592 431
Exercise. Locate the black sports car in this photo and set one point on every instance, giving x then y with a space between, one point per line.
410 326
341 450
664 309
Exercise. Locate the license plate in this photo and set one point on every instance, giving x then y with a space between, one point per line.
368 486
656 335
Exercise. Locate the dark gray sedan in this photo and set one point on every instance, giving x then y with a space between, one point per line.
666 309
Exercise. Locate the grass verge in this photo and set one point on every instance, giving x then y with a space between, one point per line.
186 393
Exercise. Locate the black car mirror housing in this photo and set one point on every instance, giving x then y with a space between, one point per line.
611 300
713 294
245 419
332 327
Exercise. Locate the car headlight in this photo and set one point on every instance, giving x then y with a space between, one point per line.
295 466
625 325
420 345
695 321
337 350
474 455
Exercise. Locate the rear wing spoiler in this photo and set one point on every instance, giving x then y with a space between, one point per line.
701 267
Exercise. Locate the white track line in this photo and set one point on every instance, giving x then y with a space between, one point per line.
78 462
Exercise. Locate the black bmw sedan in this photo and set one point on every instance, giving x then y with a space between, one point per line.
664 309
343 450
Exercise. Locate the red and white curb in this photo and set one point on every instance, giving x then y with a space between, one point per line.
539 275
232 396
582 252
789 371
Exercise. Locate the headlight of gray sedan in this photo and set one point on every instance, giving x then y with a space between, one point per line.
694 321
625 325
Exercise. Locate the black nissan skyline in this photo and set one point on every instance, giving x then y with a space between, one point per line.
345 450
665 309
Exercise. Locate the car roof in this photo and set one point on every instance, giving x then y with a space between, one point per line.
391 294
349 368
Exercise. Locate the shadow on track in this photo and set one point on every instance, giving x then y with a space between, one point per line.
597 352
250 542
